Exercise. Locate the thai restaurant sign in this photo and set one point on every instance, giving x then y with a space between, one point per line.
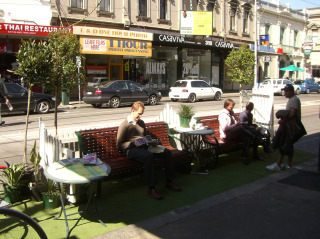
115 46
110 33
23 29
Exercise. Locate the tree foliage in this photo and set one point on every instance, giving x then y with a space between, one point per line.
64 47
34 61
240 65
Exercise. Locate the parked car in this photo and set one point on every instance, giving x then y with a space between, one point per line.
308 85
18 97
119 92
192 90
277 86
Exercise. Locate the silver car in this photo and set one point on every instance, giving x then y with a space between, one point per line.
277 86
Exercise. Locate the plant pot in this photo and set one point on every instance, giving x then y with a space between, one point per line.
11 194
50 201
184 121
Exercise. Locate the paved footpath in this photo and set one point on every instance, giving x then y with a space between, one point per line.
285 204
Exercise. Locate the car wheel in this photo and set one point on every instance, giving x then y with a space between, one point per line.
192 98
114 102
308 91
152 100
298 91
282 92
319 90
43 107
217 96
174 100
96 105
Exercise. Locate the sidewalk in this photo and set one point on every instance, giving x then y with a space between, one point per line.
282 205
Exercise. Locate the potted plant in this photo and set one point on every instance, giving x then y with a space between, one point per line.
14 181
50 193
185 112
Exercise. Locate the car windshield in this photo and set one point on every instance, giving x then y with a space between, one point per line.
299 82
266 82
180 84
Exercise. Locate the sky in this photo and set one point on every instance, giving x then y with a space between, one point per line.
300 4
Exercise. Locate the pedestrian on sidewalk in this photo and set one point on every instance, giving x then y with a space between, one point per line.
290 129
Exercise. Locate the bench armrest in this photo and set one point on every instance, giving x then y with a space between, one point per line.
82 149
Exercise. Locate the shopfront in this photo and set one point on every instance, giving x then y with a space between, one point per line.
110 54
10 40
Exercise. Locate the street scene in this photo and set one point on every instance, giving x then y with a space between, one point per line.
159 119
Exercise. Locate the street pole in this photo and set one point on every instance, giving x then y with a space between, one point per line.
255 46
78 60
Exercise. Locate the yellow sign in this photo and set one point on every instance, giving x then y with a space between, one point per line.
112 46
196 23
107 32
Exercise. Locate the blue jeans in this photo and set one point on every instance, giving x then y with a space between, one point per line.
147 158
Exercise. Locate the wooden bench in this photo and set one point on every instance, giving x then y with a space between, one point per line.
220 145
103 142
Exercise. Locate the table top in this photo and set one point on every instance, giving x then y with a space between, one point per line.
77 173
202 131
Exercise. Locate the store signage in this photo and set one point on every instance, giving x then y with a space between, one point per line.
191 41
267 59
96 70
111 46
196 23
23 29
308 45
264 40
157 68
107 32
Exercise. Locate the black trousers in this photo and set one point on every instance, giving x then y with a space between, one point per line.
147 158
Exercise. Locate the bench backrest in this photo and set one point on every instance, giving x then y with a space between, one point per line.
213 122
103 141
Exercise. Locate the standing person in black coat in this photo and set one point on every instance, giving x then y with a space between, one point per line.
3 98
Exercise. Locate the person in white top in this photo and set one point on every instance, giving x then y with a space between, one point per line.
230 129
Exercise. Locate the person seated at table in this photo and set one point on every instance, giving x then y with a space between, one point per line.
246 120
133 128
230 129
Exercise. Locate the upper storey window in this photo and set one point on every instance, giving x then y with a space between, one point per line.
233 14
143 10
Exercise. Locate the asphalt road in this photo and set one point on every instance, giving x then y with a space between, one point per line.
12 133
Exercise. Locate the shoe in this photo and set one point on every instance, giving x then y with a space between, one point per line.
153 193
245 160
285 166
257 157
274 167
173 187
3 122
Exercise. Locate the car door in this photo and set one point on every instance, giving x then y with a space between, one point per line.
197 89
207 90
137 92
17 95
122 90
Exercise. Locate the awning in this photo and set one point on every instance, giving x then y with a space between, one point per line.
264 50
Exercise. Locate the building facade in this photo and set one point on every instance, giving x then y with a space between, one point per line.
170 55
286 30
313 57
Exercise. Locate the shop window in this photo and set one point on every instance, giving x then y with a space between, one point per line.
105 8
164 11
143 10
77 6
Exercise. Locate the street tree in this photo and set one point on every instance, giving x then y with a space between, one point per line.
240 67
64 47
34 63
